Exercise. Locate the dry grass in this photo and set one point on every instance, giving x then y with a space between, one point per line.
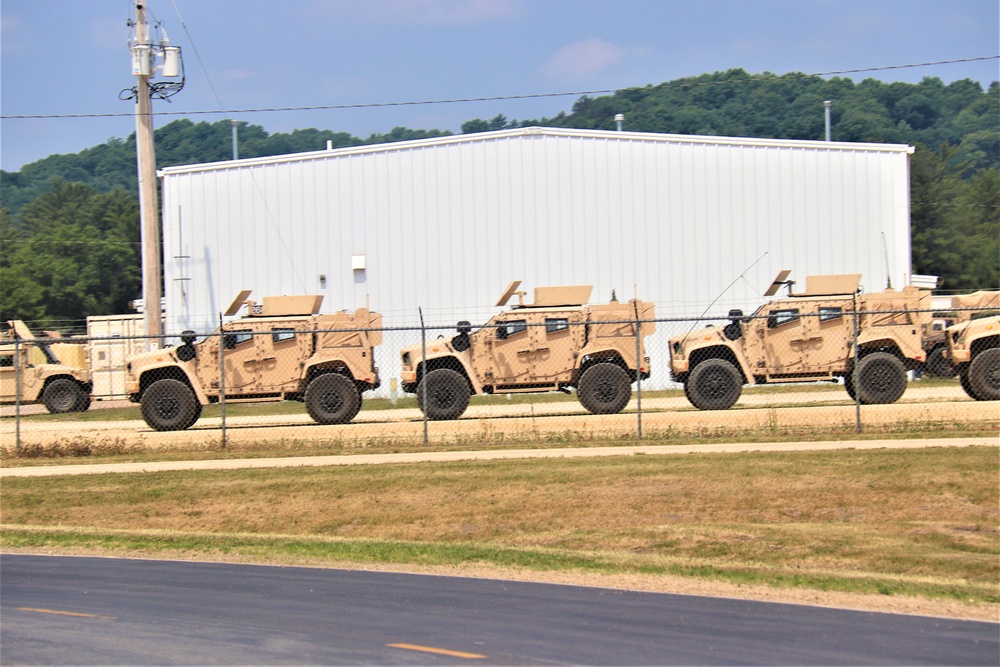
916 522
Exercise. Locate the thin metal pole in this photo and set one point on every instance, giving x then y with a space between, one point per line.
638 367
222 379
854 371
236 142
17 394
826 113
423 360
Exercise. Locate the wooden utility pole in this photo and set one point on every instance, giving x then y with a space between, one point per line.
148 205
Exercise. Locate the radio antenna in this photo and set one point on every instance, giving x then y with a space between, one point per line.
695 323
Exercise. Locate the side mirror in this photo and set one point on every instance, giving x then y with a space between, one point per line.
735 314
464 327
188 337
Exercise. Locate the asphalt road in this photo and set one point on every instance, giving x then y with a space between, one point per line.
74 610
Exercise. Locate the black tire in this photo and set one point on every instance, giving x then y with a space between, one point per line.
938 365
963 378
984 375
604 389
83 404
170 405
881 379
62 395
447 394
714 384
332 398
849 386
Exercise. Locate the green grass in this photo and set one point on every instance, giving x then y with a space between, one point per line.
893 522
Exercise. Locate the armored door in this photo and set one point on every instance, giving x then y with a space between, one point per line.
784 336
280 356
510 352
557 338
240 360
8 373
833 334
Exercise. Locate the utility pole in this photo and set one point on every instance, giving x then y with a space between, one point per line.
142 67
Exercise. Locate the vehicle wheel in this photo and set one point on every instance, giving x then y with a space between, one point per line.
83 404
169 405
62 395
714 384
604 389
849 386
881 378
938 365
963 378
687 391
332 398
984 375
447 394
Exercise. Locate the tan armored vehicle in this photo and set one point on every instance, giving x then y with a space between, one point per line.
281 350
965 307
804 338
59 387
554 344
974 349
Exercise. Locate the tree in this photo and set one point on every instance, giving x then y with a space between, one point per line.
70 253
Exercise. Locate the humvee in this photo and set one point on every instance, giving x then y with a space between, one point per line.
974 349
280 350
60 388
804 338
554 344
965 307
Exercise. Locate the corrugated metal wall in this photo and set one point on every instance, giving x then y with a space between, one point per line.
445 224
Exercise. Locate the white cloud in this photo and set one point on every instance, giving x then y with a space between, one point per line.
585 58
418 12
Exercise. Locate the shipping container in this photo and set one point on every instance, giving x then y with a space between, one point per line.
112 340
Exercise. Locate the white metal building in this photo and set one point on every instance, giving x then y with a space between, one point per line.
445 224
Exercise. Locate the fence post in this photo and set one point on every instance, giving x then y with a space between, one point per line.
854 371
17 395
222 379
638 368
423 357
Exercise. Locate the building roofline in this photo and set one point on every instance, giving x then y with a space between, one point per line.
530 132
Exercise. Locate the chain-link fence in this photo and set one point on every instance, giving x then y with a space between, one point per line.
525 376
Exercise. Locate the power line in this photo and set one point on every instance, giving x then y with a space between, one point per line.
499 98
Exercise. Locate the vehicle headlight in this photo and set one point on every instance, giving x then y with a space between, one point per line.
406 358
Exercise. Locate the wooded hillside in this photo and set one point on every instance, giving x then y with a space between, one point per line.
69 229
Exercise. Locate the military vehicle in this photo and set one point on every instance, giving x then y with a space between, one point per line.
556 343
974 349
280 350
964 308
59 387
804 338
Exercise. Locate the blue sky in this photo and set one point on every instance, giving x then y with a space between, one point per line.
64 57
